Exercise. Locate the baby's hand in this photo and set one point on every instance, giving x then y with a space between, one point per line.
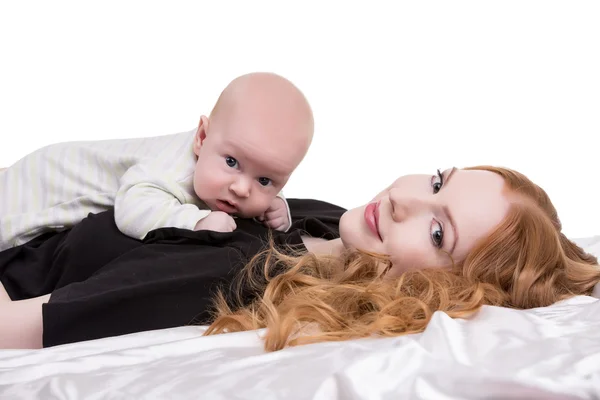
276 217
217 221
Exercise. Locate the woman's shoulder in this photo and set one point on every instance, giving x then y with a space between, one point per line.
315 218
302 208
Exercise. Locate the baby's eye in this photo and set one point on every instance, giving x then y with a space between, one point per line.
232 162
264 181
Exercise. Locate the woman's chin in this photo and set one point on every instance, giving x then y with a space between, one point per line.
346 229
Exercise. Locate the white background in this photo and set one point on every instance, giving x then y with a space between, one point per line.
395 87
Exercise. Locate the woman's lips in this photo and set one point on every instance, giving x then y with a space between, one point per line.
372 218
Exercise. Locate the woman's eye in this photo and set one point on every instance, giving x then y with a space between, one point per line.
437 181
264 181
437 234
232 162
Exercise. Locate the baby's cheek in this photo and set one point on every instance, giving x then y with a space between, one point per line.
209 185
263 204
219 183
254 207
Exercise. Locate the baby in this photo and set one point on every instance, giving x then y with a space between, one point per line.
235 163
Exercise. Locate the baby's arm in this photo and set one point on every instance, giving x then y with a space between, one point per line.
149 199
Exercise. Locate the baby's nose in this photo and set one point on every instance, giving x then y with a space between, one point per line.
241 187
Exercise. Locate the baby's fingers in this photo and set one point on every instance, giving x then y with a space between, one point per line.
275 223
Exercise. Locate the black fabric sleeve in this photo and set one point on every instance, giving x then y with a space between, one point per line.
54 260
29 270
167 280
151 287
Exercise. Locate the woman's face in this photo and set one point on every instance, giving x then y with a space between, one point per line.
420 218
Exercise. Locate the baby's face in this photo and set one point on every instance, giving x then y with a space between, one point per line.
240 170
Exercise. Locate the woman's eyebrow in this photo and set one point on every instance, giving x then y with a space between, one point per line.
449 217
450 173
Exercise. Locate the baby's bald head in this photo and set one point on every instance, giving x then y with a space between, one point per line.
262 87
266 104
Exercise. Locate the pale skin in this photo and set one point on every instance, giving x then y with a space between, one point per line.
463 205
21 324
254 139
412 212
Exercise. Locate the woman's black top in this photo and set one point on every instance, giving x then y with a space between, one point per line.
104 283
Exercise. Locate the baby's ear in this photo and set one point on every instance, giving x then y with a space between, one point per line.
200 134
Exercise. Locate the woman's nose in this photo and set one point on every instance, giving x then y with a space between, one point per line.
405 206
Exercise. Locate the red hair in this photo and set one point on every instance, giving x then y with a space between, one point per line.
525 262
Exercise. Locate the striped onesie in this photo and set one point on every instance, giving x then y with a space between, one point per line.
57 186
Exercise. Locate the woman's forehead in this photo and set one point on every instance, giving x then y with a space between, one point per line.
478 203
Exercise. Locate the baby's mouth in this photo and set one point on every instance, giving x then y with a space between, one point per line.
226 206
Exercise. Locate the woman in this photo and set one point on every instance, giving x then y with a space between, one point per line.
451 241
